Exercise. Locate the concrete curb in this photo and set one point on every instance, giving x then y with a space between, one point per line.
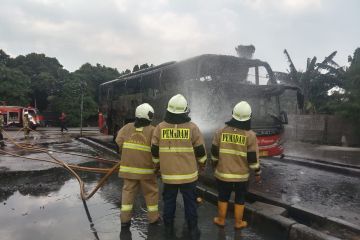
323 161
300 232
97 144
109 145
322 166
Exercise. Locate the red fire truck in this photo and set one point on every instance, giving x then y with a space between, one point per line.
13 116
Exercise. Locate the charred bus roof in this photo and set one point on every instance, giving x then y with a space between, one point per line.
194 61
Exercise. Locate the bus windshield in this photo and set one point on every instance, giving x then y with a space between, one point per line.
223 84
265 111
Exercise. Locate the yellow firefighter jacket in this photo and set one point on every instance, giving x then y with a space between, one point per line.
136 159
237 153
176 142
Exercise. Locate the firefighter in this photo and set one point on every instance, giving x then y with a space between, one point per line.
2 143
234 152
26 124
137 166
179 145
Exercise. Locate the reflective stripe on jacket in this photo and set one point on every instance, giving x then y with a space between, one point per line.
136 158
237 153
176 142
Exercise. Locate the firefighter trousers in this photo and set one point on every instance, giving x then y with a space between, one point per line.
150 190
225 189
188 191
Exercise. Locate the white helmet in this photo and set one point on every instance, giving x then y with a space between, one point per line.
177 104
144 111
242 111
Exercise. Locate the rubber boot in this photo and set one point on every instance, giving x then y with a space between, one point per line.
125 225
239 213
125 234
222 209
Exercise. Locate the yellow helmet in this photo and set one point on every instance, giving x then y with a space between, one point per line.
144 110
242 111
178 104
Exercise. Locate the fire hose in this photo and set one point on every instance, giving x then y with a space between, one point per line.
69 167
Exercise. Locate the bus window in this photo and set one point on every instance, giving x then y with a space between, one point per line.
133 86
258 76
150 86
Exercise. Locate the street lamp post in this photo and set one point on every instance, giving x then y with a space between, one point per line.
81 111
82 86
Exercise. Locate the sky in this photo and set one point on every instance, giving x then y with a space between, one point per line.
122 33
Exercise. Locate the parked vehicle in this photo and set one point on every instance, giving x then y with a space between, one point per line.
13 116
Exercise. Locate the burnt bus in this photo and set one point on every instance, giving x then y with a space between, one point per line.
212 84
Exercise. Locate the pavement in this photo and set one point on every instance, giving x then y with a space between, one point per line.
347 156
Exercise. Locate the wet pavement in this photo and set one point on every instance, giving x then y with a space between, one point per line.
331 194
38 202
61 214
330 154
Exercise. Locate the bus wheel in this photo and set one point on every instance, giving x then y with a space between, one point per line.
282 156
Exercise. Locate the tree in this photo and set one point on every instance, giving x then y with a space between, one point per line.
136 68
4 58
143 66
44 73
42 81
14 86
127 71
94 76
348 103
315 81
68 100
